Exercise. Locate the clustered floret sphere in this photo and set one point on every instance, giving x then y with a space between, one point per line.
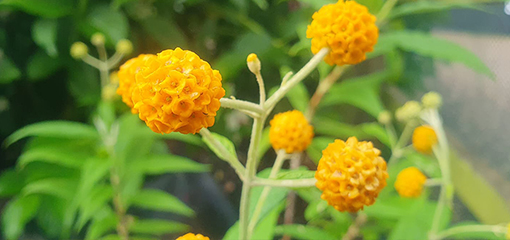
351 174
290 131
191 236
410 182
347 29
424 139
175 91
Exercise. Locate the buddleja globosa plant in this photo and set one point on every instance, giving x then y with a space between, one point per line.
176 91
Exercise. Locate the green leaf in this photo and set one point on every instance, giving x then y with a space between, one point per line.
417 222
420 7
486 235
44 34
16 214
58 187
361 92
158 227
159 164
318 144
303 232
229 145
264 144
296 174
43 170
392 207
85 90
315 209
104 221
41 66
11 183
47 8
119 3
161 201
103 18
9 71
261 3
377 131
92 203
316 4
477 194
185 138
165 31
263 230
56 129
373 5
50 215
275 197
430 46
67 154
298 97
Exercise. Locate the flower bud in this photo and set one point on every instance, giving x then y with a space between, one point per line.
384 117
79 50
432 100
114 77
253 63
124 46
109 92
409 111
97 39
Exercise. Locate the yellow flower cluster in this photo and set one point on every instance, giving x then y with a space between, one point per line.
351 174
410 182
290 131
127 73
424 138
174 91
347 29
191 236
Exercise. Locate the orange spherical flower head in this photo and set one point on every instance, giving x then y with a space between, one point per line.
191 236
351 174
177 92
290 131
410 182
126 77
347 29
424 138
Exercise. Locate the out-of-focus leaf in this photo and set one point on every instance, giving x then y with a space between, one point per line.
62 152
165 31
478 195
342 130
158 227
56 129
309 194
44 34
159 164
50 215
373 5
264 230
105 19
234 60
361 92
43 170
132 183
11 183
296 174
62 188
486 235
229 145
377 131
84 84
9 71
47 8
418 7
303 232
261 3
104 221
93 202
315 209
17 213
392 207
161 201
119 3
298 97
318 144
417 222
185 138
41 66
316 4
427 45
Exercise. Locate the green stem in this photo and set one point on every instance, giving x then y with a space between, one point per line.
114 60
323 88
404 138
433 182
496 229
295 79
288 183
241 105
280 158
251 169
385 11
